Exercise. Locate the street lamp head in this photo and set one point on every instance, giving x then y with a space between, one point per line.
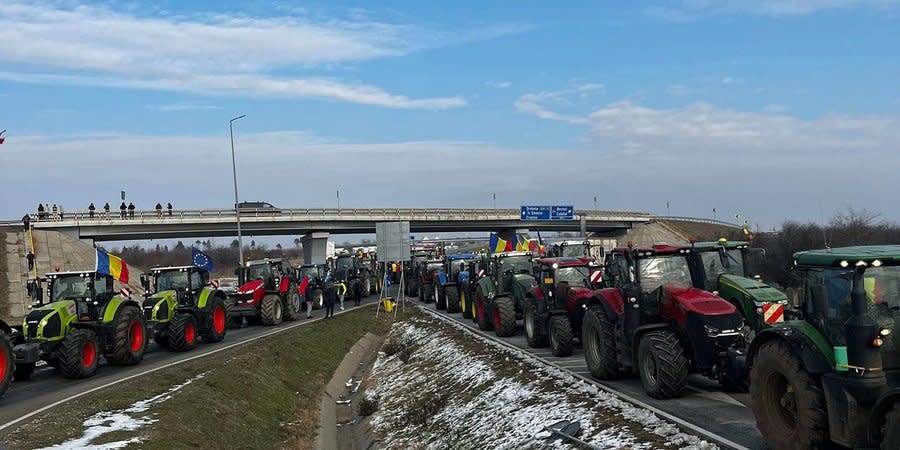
238 117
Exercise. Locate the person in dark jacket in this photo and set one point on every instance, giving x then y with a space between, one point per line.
41 212
106 210
91 209
329 294
30 258
169 207
158 210
123 208
131 210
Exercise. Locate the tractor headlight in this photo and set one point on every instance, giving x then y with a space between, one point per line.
711 331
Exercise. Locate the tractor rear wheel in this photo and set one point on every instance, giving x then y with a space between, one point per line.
7 363
788 403
271 311
532 335
23 371
79 353
216 322
465 305
662 364
317 299
598 335
129 339
561 335
366 286
292 302
234 320
504 316
440 302
427 292
182 332
373 284
890 432
451 298
481 312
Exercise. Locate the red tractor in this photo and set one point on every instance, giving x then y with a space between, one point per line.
268 293
653 322
554 309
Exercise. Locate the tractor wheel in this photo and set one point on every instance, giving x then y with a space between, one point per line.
318 299
484 323
23 372
7 363
373 284
234 321
504 316
534 338
464 305
366 286
271 311
215 322
428 292
182 333
890 432
561 335
79 353
355 289
788 403
451 298
130 341
440 302
598 336
293 307
662 364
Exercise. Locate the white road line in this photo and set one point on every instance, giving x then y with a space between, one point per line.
721 440
166 366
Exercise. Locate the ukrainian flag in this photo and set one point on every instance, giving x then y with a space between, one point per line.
112 265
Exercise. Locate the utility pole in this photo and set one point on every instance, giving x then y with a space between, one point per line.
339 198
237 210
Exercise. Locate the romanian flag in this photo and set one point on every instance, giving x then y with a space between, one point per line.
112 265
497 244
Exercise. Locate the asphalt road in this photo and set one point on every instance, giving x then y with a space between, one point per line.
704 405
47 387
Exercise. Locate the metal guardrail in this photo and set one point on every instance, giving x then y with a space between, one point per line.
698 220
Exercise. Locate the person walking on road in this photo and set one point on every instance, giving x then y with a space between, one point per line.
91 209
169 207
304 286
158 210
30 258
130 210
123 208
329 293
106 210
26 220
342 292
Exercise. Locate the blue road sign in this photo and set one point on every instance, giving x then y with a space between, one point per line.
547 213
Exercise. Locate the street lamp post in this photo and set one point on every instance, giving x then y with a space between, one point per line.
237 210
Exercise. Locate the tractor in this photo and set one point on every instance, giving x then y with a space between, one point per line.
833 374
654 322
268 293
726 268
476 270
85 318
316 274
349 269
429 272
371 281
412 273
500 295
554 309
7 360
453 282
183 306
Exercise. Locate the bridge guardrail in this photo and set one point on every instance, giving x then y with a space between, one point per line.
698 220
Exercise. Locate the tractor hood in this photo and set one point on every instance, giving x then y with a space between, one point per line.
757 290
250 286
579 293
47 321
527 282
162 295
697 301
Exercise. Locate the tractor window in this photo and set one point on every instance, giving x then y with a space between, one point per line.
664 271
196 280
258 271
575 276
882 285
712 265
174 279
829 292
310 272
430 267
343 264
576 250
518 264
69 288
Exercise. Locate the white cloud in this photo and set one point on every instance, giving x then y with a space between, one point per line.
182 107
499 84
232 54
692 9
538 104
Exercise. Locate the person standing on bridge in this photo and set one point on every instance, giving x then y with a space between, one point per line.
54 212
91 209
42 214
169 207
130 210
106 210
123 208
158 211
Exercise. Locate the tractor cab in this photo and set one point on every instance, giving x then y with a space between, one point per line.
184 281
90 291
642 272
315 272
504 267
576 249
269 271
346 267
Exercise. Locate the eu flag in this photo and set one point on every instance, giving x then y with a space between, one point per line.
201 260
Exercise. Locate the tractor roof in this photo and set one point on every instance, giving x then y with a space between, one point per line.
459 256
714 245
304 266
262 261
655 249
505 254
571 242
74 272
173 268
567 261
849 256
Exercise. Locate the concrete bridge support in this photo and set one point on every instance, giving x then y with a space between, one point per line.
315 247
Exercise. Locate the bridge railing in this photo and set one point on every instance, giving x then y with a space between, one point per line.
697 220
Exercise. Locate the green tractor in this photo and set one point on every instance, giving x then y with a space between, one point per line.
500 295
182 307
7 360
84 319
833 373
726 268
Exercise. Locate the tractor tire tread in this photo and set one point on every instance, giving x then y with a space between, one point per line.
561 336
122 354
507 309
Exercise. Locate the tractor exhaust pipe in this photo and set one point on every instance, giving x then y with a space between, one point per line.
863 355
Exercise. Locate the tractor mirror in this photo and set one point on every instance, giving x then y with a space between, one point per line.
145 283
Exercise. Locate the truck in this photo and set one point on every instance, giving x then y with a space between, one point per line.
500 294
268 293
181 305
832 375
653 322
84 318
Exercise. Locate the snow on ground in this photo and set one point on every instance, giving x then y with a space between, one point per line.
129 419
458 390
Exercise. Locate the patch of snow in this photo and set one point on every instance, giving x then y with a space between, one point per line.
128 419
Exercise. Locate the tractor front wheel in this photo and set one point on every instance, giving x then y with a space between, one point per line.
451 298
234 320
427 292
561 335
293 307
271 310
7 363
787 401
464 305
130 340
216 322
317 299
504 316
535 339
481 312
79 353
598 335
182 333
440 302
890 432
662 364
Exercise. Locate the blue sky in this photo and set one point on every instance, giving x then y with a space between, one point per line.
778 109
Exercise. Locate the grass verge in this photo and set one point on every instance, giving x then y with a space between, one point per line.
262 395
